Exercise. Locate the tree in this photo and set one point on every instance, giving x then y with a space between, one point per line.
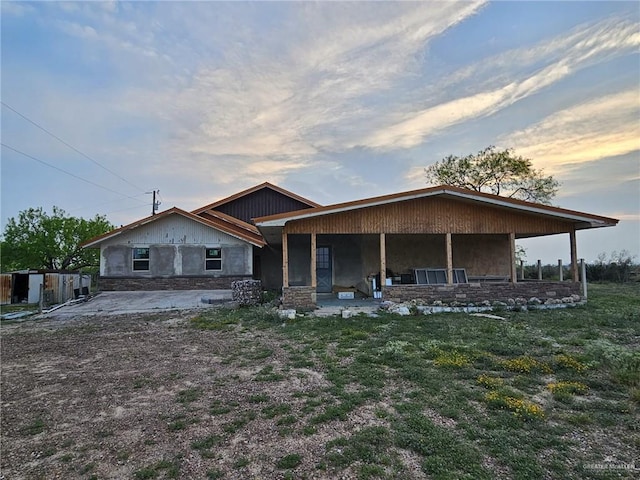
500 172
39 240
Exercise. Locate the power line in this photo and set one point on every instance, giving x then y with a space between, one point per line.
70 146
106 203
65 171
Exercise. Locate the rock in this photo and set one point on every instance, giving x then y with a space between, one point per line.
247 292
401 310
287 314
535 301
386 305
346 313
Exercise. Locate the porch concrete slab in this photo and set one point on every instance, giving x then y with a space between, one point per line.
118 303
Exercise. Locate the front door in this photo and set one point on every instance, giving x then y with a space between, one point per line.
324 277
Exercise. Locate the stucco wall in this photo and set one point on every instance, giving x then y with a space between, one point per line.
176 248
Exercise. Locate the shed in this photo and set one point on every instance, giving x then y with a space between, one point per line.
23 286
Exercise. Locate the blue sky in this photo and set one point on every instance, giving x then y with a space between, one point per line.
335 101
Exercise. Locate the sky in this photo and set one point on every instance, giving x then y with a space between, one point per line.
335 101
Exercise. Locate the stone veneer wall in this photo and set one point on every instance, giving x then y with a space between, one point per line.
479 292
299 297
167 283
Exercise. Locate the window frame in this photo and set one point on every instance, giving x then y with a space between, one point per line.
140 261
211 258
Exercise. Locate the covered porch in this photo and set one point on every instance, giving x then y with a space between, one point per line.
451 268
437 244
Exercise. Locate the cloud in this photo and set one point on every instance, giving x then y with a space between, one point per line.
579 49
16 8
314 96
600 128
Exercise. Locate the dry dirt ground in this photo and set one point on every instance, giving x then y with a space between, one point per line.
149 396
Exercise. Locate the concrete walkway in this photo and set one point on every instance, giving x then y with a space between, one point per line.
118 303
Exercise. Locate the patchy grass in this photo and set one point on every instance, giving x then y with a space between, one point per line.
544 394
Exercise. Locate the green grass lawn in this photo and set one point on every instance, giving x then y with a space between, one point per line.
544 394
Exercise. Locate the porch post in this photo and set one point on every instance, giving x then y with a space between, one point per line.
314 280
285 260
574 255
512 257
560 270
383 261
449 258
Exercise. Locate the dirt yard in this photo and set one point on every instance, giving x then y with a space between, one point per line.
151 397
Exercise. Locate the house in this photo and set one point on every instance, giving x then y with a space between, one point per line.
205 249
439 243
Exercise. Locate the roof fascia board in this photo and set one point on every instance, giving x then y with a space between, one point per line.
531 208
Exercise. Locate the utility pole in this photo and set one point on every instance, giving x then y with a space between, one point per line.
154 204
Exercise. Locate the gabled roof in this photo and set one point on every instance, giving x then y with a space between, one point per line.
585 220
254 189
245 232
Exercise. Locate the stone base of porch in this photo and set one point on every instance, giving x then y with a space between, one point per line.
299 297
480 292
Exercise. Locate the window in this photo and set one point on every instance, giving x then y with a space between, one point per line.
140 259
213 259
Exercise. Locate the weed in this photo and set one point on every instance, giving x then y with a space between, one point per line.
268 375
171 469
490 382
35 427
87 468
521 408
559 388
206 443
239 422
569 362
274 410
289 461
66 458
176 425
526 364
259 398
241 463
452 359
214 474
287 420
218 407
189 395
